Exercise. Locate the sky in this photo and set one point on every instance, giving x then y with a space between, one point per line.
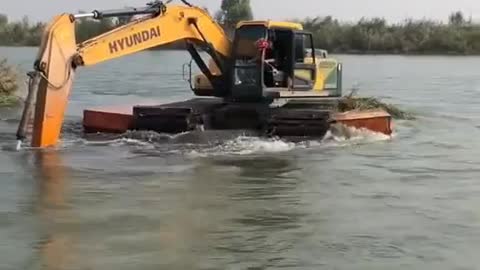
346 10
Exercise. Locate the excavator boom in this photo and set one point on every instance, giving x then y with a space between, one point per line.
172 24
59 55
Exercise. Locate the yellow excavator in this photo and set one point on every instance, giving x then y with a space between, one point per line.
266 62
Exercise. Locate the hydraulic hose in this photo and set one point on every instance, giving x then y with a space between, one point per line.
187 3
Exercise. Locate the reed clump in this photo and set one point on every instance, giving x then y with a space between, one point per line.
351 103
8 83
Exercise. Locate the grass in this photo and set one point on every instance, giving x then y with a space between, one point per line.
8 84
7 101
350 103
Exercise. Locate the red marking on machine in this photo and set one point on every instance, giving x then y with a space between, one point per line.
263 44
112 120
374 120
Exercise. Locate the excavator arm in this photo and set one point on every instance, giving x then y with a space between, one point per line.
59 56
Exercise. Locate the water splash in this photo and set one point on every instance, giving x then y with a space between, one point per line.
118 142
343 133
19 145
245 145
218 143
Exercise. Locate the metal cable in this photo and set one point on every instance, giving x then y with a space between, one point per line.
187 3
58 87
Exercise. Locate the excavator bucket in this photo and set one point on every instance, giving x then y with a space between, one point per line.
54 64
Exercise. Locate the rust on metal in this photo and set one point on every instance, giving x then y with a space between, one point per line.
375 120
120 119
113 120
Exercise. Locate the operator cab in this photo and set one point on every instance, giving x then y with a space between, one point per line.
274 60
271 57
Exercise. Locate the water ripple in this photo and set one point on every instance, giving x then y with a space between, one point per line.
197 200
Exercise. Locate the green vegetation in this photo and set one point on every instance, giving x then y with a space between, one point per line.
21 33
374 35
25 33
88 28
7 101
233 11
458 36
8 84
350 103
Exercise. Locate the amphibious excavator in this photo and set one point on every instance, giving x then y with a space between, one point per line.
269 77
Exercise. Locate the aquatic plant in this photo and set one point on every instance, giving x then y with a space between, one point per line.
8 83
351 103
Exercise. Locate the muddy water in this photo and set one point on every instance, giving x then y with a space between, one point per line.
229 201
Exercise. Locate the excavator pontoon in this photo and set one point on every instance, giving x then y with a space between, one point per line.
270 77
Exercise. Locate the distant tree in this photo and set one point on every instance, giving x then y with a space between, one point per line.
368 35
456 19
34 36
122 20
3 19
233 11
206 9
88 28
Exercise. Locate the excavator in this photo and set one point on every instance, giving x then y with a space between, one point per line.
269 77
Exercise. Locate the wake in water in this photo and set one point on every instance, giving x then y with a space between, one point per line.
341 133
244 145
338 136
215 143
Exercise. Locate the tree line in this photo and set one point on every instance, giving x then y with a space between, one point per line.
25 33
368 35
375 35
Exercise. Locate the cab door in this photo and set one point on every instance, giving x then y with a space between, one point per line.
304 69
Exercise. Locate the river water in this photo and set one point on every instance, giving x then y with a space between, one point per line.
229 201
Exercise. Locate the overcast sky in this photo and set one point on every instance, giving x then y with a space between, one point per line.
393 10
